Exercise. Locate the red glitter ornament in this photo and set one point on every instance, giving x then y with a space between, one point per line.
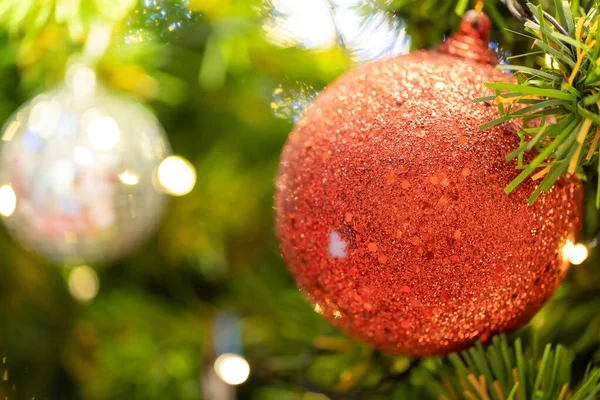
391 212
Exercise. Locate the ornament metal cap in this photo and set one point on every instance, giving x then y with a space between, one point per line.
471 41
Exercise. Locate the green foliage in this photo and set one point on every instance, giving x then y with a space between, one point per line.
29 17
556 106
417 18
500 372
432 19
215 83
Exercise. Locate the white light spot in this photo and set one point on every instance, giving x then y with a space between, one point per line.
580 254
336 246
83 283
440 85
322 24
44 117
8 201
129 178
306 22
103 133
177 175
567 249
575 253
82 155
233 369
81 79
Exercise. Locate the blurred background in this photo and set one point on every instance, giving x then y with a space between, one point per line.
204 308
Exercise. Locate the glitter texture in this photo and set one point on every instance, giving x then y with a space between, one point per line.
392 216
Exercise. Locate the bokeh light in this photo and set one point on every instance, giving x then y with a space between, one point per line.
575 253
233 369
83 283
129 178
579 254
307 23
323 24
177 175
159 19
8 200
291 102
103 133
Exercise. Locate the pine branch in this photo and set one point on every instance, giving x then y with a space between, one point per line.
29 17
504 372
557 106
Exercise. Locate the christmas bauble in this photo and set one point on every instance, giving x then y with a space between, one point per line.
78 173
391 212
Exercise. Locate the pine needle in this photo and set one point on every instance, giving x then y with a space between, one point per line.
585 129
594 145
498 390
517 370
541 174
470 396
563 392
565 96
579 52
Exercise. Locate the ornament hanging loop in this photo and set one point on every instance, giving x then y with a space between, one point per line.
80 74
479 5
471 41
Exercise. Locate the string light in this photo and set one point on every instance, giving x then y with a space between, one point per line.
575 253
479 5
233 369
8 201
177 175
83 283
579 254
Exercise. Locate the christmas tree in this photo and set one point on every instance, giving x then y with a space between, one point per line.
427 204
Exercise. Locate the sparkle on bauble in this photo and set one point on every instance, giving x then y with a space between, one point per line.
391 212
78 172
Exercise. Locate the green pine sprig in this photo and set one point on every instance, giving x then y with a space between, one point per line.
504 372
557 106
29 17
